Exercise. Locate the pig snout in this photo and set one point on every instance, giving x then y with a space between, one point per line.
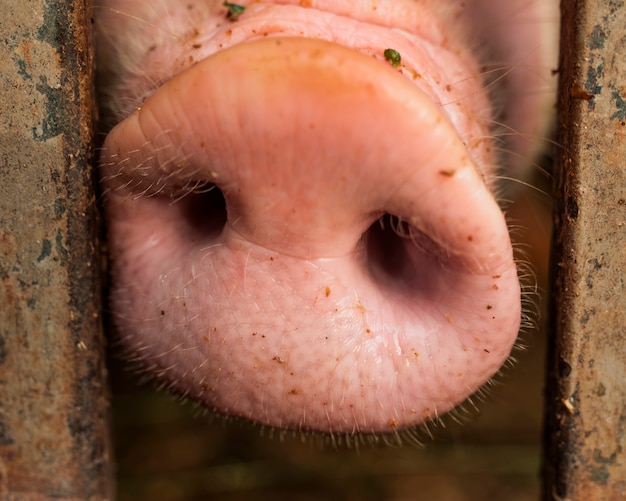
299 201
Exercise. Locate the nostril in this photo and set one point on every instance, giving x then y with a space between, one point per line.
202 212
400 255
389 253
386 250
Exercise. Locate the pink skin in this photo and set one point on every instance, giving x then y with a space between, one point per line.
291 307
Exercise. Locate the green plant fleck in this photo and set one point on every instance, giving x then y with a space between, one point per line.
234 10
394 57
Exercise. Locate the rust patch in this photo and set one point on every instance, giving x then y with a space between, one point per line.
586 397
54 420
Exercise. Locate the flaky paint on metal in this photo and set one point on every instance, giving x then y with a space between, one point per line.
586 407
54 437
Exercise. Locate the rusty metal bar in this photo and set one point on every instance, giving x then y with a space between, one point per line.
586 404
54 436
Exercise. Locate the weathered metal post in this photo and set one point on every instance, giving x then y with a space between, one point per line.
54 436
586 405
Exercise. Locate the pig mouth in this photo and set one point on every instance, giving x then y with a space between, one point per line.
302 236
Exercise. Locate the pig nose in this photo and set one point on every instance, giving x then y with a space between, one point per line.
311 238
309 144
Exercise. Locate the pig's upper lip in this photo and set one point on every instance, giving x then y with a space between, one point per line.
428 60
405 15
368 30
